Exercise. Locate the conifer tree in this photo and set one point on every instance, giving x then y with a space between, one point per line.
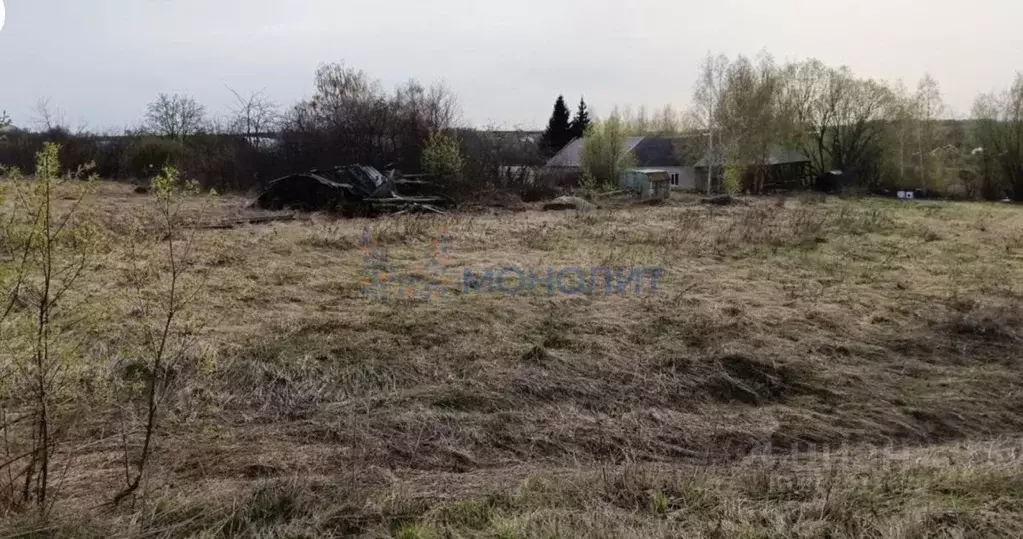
581 122
558 133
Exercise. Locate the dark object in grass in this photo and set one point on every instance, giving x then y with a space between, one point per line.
351 191
720 200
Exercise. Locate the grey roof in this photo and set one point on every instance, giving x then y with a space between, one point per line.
778 156
658 152
571 156
649 152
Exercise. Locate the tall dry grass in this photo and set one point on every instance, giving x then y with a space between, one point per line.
781 332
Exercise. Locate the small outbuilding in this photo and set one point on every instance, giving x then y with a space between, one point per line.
646 183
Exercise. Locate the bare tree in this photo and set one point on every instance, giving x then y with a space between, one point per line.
904 115
49 118
253 116
929 106
352 118
663 121
640 123
667 121
176 115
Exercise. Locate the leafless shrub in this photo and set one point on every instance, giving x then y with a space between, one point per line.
164 291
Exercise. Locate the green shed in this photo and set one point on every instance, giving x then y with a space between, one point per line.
646 183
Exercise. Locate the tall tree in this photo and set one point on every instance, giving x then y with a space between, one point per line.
352 118
559 129
752 117
998 120
640 123
175 115
581 122
253 115
904 116
706 97
929 106
666 121
841 118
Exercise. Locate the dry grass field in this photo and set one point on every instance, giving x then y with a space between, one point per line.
806 367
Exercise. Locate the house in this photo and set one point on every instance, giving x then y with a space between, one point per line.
783 169
653 154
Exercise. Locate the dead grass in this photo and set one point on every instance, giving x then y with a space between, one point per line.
798 327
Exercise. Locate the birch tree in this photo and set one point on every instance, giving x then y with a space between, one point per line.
706 96
929 107
753 120
904 117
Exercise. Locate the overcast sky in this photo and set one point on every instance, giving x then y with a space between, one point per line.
101 61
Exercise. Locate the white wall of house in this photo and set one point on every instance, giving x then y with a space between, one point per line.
681 178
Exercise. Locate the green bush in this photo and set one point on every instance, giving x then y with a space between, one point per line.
442 158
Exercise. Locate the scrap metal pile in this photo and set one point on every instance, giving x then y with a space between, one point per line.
354 190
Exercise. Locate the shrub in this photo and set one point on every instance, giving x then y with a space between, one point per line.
146 156
442 158
604 155
45 248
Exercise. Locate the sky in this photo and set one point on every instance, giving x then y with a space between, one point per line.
102 61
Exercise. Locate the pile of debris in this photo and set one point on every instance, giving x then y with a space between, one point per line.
352 191
569 203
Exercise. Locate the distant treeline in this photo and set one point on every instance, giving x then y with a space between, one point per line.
744 113
350 119
234 162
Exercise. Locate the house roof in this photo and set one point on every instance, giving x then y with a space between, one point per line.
777 156
649 152
571 156
658 152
